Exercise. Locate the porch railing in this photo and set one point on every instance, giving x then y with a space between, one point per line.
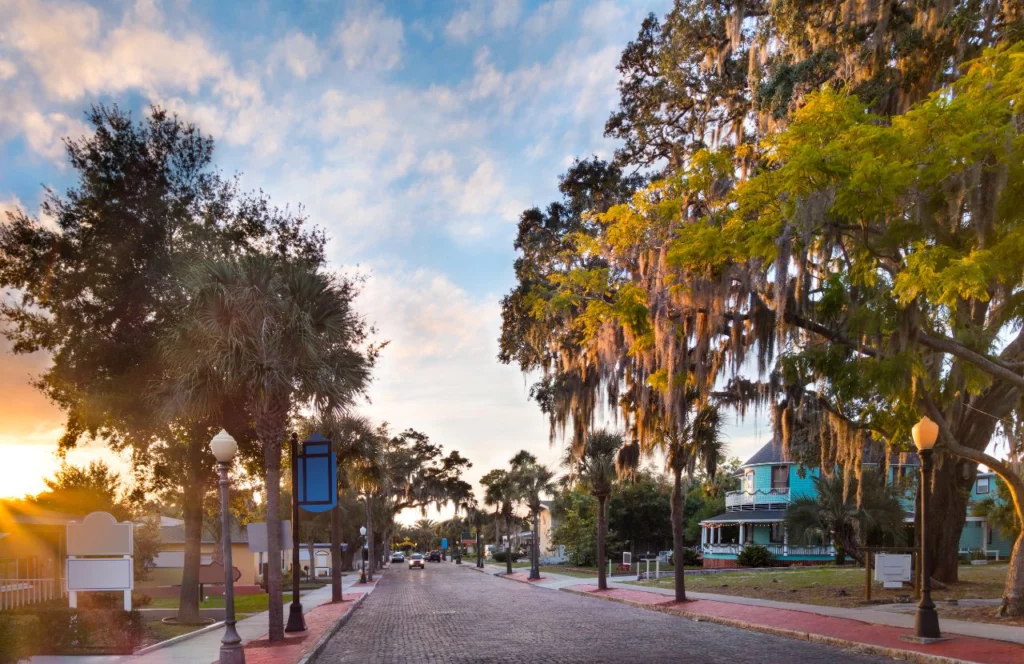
736 501
777 550
22 592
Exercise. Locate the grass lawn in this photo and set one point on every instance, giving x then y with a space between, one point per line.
157 631
243 603
845 587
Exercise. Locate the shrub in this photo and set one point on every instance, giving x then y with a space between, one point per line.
19 636
85 632
755 555
690 558
502 556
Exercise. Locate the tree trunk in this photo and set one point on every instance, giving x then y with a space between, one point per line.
271 432
602 528
1013 591
947 504
677 534
369 539
535 551
508 549
188 600
336 553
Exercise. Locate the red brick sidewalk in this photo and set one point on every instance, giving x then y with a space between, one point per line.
882 639
523 577
298 644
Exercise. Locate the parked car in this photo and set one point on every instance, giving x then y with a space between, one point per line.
398 557
434 556
416 560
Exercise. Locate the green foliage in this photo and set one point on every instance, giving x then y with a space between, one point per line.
755 555
999 511
502 556
74 631
690 558
639 513
19 637
576 529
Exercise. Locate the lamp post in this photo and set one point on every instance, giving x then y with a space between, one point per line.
926 621
231 651
362 555
296 622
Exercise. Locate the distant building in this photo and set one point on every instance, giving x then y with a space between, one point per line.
169 562
32 553
550 554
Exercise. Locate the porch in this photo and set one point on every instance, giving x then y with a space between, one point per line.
761 499
723 538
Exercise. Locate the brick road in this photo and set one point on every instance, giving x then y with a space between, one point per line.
451 614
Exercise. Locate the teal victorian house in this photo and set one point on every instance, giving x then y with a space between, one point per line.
770 480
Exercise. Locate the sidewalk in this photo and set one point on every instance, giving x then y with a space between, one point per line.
320 615
878 631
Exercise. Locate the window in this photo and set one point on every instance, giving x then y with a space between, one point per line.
983 485
780 477
777 533
749 482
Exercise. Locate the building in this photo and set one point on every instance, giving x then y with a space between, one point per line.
170 559
550 554
32 553
771 480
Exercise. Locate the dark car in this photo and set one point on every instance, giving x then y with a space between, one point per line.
434 556
398 557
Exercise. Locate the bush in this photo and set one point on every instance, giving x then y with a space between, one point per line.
84 632
502 556
19 636
755 555
690 558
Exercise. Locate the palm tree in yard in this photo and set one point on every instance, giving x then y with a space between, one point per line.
501 492
284 334
532 479
596 467
847 515
698 444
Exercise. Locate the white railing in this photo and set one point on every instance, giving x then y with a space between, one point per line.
750 500
777 550
22 592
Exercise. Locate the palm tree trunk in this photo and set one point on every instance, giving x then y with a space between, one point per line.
602 528
677 534
188 600
369 539
336 553
508 549
535 549
272 462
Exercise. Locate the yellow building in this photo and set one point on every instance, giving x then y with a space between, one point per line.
31 554
170 559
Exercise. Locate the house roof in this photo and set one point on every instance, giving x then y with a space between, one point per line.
175 534
772 453
748 516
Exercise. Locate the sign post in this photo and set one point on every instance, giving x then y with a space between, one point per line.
99 553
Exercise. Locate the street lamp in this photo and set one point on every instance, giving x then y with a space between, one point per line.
926 622
231 651
362 555
296 622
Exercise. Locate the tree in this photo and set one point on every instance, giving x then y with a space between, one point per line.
999 512
532 479
501 492
639 512
284 334
97 288
576 512
849 516
597 470
84 489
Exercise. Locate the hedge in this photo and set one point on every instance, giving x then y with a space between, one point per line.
755 555
502 557
69 632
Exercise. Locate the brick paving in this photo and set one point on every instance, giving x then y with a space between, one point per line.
453 614
297 644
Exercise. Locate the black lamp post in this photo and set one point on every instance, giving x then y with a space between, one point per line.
231 651
296 622
926 621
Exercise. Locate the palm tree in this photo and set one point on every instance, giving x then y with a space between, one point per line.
596 467
476 516
835 515
999 511
698 444
284 334
500 490
532 480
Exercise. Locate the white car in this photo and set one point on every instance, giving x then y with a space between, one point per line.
398 557
416 560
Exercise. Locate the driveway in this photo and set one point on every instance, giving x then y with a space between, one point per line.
448 613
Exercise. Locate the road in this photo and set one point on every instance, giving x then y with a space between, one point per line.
454 614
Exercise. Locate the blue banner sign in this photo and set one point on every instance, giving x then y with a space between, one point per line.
444 543
318 475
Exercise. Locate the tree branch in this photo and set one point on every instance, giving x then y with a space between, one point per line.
983 362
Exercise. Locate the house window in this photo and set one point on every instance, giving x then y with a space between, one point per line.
983 485
749 482
776 533
780 477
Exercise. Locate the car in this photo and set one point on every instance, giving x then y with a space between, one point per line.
398 557
434 556
416 560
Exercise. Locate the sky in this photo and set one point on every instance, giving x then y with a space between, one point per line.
414 132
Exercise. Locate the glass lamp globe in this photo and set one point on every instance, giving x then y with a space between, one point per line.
223 446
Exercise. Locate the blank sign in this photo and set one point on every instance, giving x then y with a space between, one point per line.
100 574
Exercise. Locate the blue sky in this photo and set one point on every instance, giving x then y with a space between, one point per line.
414 132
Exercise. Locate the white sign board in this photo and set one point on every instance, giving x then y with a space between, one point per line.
258 536
893 569
100 574
99 534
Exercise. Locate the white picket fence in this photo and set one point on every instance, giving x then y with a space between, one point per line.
22 592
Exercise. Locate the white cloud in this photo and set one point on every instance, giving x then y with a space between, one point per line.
7 70
481 17
298 53
45 133
370 39
548 16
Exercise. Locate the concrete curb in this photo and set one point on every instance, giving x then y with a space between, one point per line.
178 639
856 646
329 633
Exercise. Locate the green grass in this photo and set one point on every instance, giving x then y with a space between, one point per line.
243 603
